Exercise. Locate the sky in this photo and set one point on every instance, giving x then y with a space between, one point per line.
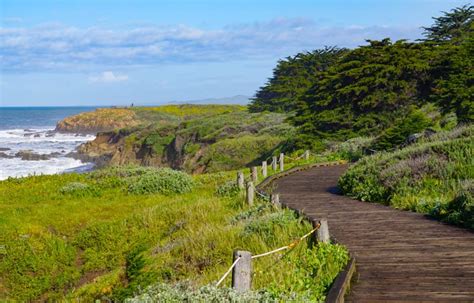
115 52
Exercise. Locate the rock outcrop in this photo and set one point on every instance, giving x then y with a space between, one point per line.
100 120
115 148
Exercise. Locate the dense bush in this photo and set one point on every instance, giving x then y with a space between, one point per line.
458 211
427 177
415 122
78 189
143 180
164 181
186 293
352 149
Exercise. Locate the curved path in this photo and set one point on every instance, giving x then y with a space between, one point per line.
401 256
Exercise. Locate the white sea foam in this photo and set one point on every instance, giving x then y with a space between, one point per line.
39 141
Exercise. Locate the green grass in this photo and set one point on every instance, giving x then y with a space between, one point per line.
434 176
86 236
187 111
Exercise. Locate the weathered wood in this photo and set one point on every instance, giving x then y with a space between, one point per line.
274 163
242 271
250 193
401 255
342 283
281 161
323 231
240 180
254 174
275 200
264 169
306 155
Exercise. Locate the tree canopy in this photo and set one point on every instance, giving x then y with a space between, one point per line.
451 25
340 93
292 77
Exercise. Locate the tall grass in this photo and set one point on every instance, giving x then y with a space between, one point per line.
434 176
87 237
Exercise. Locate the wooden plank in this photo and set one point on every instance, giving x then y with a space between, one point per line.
401 256
342 283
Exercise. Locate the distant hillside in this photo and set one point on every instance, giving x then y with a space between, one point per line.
238 99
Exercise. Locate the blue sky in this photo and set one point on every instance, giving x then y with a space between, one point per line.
105 52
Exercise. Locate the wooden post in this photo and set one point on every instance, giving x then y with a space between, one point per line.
282 162
264 169
274 163
254 174
240 180
242 271
306 155
250 193
275 200
323 231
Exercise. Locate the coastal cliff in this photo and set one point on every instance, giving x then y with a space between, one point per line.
196 144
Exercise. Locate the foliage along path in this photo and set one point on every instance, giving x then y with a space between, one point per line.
400 255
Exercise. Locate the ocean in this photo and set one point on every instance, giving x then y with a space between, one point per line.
29 145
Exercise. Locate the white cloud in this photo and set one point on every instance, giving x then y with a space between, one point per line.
56 46
108 77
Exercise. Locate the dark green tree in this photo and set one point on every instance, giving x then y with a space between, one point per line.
451 25
366 91
291 78
453 76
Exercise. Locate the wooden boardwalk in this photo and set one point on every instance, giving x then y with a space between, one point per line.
401 256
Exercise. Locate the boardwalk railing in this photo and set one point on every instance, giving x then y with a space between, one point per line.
241 267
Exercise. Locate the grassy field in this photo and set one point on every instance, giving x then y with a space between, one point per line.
109 234
188 111
434 176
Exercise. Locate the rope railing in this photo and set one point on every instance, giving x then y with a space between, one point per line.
289 246
228 271
241 266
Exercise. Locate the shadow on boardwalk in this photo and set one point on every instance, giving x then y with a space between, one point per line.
400 255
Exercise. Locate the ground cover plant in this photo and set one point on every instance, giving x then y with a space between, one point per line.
93 236
433 176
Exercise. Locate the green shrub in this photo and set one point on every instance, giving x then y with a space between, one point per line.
158 142
253 212
316 269
164 181
459 211
266 225
121 171
415 122
78 189
228 189
191 148
183 292
352 149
